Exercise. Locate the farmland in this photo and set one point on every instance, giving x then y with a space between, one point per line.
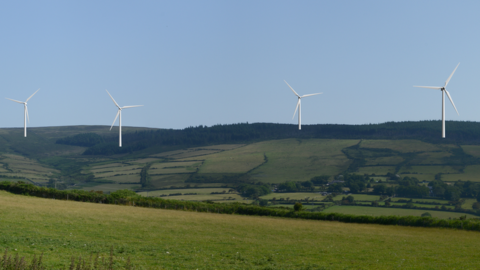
178 239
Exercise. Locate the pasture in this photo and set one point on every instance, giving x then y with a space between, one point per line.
294 196
300 160
473 150
470 173
403 146
378 170
168 239
391 160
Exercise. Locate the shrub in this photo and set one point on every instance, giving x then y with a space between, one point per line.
298 206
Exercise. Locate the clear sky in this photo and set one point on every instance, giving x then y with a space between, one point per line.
220 62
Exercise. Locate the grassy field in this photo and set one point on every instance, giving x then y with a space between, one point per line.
473 150
392 160
403 146
471 173
239 160
294 196
431 158
380 170
164 181
167 239
381 211
300 160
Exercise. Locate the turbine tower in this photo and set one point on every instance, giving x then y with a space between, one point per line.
25 112
299 107
120 119
444 91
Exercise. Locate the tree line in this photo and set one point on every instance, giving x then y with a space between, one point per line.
464 132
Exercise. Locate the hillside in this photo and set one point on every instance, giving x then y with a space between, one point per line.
170 239
215 156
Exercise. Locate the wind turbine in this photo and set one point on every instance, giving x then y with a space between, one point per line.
444 91
25 112
120 119
299 107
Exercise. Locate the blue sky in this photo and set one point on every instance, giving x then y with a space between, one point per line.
219 62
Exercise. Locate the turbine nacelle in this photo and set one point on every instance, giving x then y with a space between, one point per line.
25 108
119 113
444 91
298 107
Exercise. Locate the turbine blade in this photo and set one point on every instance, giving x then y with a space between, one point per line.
446 82
113 99
311 95
15 100
429 87
115 119
451 100
291 88
26 111
32 95
296 108
126 107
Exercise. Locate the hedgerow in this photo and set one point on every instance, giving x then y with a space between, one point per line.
124 197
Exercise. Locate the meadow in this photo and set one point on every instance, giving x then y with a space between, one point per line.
168 239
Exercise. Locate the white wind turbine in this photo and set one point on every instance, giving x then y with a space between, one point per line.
299 107
444 91
25 112
120 119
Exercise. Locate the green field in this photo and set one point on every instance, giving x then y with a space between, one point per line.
294 196
473 150
169 239
471 173
300 160
404 146
382 211
377 170
392 160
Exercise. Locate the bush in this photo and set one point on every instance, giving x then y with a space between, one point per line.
298 206
426 214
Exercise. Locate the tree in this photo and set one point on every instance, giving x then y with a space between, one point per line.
476 205
298 206
263 202
337 187
379 189
320 180
426 214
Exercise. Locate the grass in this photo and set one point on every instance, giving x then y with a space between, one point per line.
300 160
473 150
360 197
403 146
378 170
428 169
392 160
293 196
164 181
239 160
430 158
174 167
471 173
420 200
166 239
383 211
